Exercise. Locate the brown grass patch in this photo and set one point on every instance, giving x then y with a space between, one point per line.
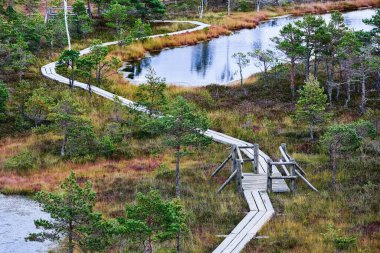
49 179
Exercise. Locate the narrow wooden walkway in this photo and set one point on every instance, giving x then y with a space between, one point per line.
252 181
258 182
254 185
260 212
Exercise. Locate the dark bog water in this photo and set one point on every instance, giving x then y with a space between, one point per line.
16 222
211 62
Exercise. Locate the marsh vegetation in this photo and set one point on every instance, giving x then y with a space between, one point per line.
323 101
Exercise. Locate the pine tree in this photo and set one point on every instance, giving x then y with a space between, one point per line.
290 42
72 217
183 126
152 94
152 219
69 59
38 106
312 104
242 61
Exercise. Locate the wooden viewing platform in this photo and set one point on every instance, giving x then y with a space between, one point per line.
252 184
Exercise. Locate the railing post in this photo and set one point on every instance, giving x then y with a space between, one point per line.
283 145
293 173
233 160
256 159
239 175
269 173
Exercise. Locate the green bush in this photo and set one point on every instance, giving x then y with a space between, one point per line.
107 147
24 161
81 143
340 242
243 6
163 172
344 242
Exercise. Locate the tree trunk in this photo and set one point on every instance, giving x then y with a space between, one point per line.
51 48
315 67
378 80
363 99
89 87
265 73
228 7
66 24
70 238
20 74
241 77
46 11
348 92
98 74
201 9
71 81
307 68
177 182
329 71
148 246
63 145
311 128
241 82
329 92
292 73
179 242
79 32
89 11
337 92
333 163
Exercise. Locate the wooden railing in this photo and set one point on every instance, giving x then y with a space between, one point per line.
237 161
292 176
291 170
285 162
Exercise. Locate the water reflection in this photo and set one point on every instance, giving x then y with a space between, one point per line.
201 59
226 74
210 62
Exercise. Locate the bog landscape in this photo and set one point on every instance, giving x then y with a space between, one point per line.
189 126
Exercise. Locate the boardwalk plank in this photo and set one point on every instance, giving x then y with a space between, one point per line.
251 201
243 223
251 234
237 242
259 201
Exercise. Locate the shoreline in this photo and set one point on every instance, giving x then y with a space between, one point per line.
236 21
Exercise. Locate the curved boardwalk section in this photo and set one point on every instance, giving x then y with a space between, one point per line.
260 211
254 185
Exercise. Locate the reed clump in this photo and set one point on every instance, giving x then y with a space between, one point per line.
138 50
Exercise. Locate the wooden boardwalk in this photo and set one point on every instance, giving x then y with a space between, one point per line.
255 192
260 212
252 181
253 185
258 182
